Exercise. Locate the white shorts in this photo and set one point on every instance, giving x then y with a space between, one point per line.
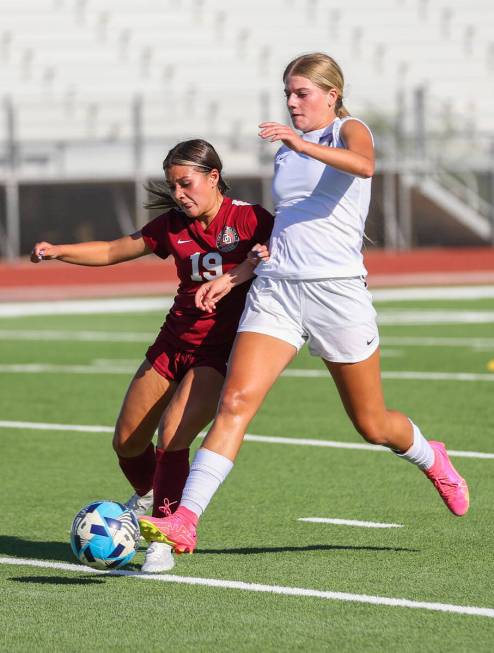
334 316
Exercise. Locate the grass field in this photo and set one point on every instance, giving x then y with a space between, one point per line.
70 370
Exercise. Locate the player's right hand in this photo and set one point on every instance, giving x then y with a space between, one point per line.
44 252
211 292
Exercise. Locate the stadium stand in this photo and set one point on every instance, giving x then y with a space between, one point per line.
69 65
102 88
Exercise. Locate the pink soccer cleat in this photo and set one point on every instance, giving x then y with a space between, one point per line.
450 485
177 529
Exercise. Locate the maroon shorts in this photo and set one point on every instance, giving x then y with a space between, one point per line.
173 363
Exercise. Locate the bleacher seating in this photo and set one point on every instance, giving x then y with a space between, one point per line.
72 70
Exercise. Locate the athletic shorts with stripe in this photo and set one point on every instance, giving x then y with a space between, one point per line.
334 316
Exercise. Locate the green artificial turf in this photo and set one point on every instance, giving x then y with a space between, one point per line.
251 531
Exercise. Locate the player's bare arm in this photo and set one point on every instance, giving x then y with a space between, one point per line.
94 253
357 159
209 293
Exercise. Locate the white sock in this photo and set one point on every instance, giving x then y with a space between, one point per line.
420 453
207 473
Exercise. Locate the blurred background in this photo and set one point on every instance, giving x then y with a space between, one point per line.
95 92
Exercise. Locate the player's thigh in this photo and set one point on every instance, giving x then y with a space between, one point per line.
255 363
360 388
191 408
145 401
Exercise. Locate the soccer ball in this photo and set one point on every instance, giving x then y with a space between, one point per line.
105 535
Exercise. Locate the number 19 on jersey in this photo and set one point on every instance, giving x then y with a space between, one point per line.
212 264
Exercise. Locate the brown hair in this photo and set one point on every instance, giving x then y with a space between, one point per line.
324 72
196 153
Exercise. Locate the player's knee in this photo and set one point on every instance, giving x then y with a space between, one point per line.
117 443
371 429
234 402
123 444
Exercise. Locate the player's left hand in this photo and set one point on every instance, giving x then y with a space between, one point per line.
274 131
258 254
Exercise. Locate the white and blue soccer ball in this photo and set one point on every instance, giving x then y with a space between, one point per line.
105 535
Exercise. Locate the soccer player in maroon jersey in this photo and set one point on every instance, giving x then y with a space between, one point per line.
177 387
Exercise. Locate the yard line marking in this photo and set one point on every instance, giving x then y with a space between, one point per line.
49 368
125 336
83 307
136 336
282 590
249 437
411 375
349 522
160 304
426 341
43 426
431 293
44 368
76 336
391 353
334 444
438 376
308 442
418 316
118 362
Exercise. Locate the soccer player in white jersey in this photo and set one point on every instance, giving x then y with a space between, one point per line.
312 289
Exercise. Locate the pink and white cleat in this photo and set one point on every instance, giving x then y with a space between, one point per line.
452 488
177 529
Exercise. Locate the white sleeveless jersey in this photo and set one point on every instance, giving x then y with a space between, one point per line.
320 215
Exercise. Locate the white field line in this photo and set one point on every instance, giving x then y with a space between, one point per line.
130 305
43 368
257 587
426 341
387 317
136 336
438 376
432 293
249 437
43 426
76 336
124 368
152 304
85 307
130 363
417 316
404 375
349 522
334 444
134 362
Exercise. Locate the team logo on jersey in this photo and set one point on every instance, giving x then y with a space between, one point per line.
227 240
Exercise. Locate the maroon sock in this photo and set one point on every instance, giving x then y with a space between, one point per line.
139 471
172 469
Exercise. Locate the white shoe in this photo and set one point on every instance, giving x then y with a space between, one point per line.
140 505
159 557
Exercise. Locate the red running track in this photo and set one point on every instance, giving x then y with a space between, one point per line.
25 281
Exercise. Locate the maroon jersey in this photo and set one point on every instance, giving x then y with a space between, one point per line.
202 255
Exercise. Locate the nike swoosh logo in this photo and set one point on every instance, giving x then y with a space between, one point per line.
181 242
371 340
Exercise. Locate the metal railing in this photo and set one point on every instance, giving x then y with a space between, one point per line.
446 165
